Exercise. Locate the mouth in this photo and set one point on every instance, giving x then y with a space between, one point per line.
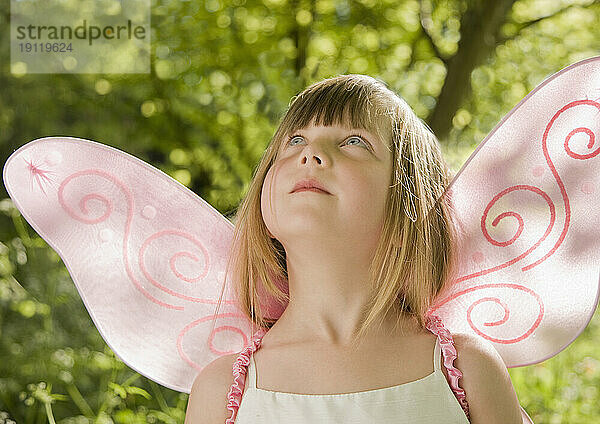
313 189
310 184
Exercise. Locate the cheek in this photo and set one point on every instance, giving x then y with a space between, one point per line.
267 197
366 189
370 197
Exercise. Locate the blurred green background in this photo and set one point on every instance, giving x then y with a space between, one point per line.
222 74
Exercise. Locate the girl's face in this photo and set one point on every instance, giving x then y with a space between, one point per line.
354 166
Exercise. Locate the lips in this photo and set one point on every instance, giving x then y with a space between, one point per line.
316 190
311 184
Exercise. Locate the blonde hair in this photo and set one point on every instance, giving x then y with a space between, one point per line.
415 254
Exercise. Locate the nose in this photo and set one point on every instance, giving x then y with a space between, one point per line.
312 155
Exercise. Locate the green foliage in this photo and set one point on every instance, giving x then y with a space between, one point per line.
223 72
60 369
564 389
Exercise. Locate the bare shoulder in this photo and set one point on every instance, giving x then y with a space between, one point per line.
207 403
486 381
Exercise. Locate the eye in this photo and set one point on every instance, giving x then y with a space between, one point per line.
357 137
352 137
291 139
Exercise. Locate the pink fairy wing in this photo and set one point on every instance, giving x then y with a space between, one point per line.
529 209
148 256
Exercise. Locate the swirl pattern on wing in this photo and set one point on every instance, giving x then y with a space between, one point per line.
513 289
108 208
226 332
172 265
502 302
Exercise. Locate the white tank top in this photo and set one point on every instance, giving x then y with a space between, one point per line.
428 400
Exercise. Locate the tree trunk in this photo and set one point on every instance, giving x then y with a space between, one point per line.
479 27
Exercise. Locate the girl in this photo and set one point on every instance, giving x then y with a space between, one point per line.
346 225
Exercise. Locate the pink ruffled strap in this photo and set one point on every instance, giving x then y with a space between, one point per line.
434 324
240 369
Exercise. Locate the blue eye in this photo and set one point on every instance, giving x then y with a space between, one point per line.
292 138
356 137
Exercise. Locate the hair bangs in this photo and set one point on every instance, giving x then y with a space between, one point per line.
340 102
